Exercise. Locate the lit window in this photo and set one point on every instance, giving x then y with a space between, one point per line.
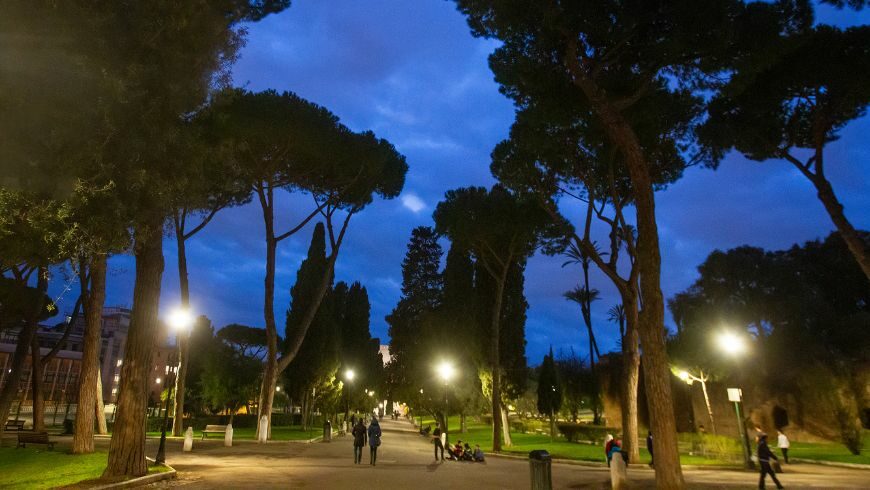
114 391
120 361
117 378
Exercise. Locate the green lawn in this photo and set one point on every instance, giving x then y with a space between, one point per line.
39 468
279 433
830 451
479 433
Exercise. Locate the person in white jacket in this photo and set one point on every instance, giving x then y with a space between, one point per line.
782 442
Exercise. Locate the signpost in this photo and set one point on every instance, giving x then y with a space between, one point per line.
736 395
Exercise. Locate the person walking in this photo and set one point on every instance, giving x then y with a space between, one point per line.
764 456
782 442
649 447
359 440
436 439
374 440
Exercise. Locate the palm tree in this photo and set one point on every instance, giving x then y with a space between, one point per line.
616 314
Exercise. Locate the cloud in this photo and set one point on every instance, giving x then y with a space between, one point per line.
412 202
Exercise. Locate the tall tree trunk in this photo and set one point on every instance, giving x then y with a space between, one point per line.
100 407
36 375
496 361
22 348
630 376
182 338
270 370
853 240
505 426
94 298
127 448
669 474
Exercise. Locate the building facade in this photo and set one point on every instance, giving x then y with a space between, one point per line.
61 375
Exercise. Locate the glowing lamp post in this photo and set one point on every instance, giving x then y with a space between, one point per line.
446 371
734 346
689 379
179 320
348 378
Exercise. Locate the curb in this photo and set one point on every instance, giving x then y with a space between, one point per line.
635 466
855 466
142 480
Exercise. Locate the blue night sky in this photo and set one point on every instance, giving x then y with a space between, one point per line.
411 72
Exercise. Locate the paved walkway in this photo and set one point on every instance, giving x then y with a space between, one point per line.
405 461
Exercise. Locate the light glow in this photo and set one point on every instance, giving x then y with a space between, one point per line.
446 370
180 319
731 344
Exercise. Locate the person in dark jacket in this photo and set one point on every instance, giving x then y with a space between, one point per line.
374 440
436 439
649 447
764 457
359 440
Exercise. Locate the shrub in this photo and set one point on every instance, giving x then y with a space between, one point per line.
585 432
849 429
711 446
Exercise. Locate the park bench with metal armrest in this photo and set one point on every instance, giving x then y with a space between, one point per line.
214 429
15 424
25 438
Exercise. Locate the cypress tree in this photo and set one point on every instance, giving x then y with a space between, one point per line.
549 391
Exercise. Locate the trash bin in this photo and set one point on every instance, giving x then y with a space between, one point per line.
327 431
539 469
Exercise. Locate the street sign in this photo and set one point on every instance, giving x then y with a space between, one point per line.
735 395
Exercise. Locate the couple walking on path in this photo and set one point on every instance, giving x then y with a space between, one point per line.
360 434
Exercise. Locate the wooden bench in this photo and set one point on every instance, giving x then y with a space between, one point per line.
214 429
25 438
15 424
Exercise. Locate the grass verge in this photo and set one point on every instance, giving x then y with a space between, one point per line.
33 468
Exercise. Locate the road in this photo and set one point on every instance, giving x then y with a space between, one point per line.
405 461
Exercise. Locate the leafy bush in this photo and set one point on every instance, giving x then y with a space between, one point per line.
850 430
585 432
528 425
711 446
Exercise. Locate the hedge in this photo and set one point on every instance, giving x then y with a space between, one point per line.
585 432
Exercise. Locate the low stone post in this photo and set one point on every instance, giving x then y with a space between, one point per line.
618 472
228 437
188 440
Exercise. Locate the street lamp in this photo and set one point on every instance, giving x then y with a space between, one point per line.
171 369
689 379
180 320
349 374
733 345
446 371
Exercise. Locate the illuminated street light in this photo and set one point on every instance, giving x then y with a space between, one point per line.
689 378
278 389
731 344
446 371
180 319
349 375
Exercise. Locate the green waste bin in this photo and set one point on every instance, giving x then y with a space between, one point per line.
327 431
539 470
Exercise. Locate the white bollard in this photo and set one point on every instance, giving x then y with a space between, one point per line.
228 437
618 474
188 440
264 429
